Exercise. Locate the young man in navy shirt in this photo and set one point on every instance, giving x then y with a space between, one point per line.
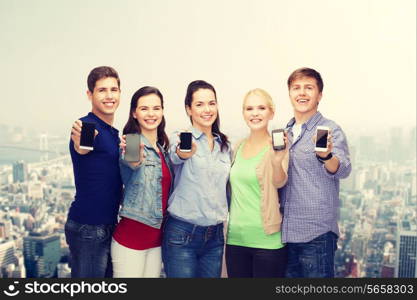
93 213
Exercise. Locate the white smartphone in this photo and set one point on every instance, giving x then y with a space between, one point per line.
185 141
322 133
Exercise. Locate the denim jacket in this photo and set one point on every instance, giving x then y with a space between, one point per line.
142 199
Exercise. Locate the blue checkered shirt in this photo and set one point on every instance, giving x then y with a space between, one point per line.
310 199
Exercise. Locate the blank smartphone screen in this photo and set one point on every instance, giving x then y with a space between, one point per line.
321 138
185 138
278 138
132 147
87 135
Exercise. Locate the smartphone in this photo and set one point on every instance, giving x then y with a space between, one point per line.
185 141
87 136
132 147
278 139
322 132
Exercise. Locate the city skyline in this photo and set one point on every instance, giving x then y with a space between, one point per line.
377 198
365 52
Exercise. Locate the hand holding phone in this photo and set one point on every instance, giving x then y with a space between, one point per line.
186 147
185 141
87 136
76 137
278 142
322 134
132 150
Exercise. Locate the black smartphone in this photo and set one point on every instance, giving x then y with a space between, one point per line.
185 141
278 139
132 147
87 136
322 132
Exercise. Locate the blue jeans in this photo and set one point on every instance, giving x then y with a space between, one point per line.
314 259
89 247
190 251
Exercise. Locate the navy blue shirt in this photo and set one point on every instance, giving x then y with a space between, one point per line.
97 177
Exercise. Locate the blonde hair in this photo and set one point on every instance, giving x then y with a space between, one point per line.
261 93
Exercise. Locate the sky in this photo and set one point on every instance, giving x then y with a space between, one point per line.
365 51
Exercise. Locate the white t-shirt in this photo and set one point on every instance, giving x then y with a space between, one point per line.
296 130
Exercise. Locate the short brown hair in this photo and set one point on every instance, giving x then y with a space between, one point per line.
306 72
100 73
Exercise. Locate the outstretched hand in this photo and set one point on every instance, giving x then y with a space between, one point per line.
142 155
76 136
329 145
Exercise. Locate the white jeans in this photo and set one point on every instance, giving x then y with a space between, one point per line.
130 263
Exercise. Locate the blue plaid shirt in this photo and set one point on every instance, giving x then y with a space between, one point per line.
311 196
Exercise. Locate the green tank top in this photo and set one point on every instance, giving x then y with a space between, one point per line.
245 222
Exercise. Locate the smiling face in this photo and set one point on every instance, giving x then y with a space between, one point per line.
148 112
305 96
203 110
105 97
257 112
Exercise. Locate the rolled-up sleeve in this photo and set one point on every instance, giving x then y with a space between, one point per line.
341 151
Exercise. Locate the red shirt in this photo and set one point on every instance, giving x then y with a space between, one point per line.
138 236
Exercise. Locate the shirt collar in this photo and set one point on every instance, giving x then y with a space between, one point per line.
100 121
310 124
197 134
147 144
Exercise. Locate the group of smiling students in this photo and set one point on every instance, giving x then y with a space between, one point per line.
180 216
175 204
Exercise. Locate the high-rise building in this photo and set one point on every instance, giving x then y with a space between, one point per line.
349 183
406 252
20 171
43 146
7 254
367 148
42 254
5 229
411 143
396 145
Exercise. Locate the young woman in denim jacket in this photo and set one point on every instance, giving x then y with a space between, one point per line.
193 233
136 244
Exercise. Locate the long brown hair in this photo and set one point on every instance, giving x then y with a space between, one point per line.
215 128
132 124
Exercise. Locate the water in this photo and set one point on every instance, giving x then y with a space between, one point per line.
10 156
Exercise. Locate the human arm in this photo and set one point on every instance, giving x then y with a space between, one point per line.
339 165
76 137
279 161
178 157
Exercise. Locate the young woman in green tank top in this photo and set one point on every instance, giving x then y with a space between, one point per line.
254 247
